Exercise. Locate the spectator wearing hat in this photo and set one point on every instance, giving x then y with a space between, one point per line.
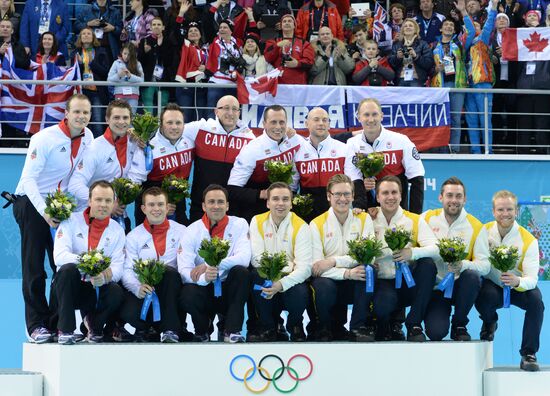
224 10
176 21
256 64
294 55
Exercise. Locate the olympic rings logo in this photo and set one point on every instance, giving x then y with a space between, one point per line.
264 373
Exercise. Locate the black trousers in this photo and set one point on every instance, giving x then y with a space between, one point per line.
491 298
71 293
168 291
329 293
200 303
36 241
293 300
465 291
387 298
181 216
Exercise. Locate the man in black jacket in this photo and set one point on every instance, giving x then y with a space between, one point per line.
22 60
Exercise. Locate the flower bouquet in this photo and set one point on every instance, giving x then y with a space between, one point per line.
213 251
364 251
302 205
145 126
93 263
177 189
370 164
59 206
126 192
150 272
396 239
451 250
271 269
504 258
279 171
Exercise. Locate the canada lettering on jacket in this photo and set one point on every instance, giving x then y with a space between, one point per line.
218 140
311 167
175 160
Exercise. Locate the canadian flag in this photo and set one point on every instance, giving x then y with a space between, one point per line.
256 89
526 44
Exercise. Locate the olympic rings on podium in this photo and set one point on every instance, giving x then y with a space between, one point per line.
264 373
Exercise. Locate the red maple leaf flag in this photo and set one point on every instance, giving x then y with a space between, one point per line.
526 44
256 89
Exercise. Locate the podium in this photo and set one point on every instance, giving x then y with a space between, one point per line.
511 381
395 368
15 382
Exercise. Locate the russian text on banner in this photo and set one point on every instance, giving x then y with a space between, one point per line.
423 114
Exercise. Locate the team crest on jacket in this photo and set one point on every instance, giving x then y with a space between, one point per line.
415 154
267 151
107 241
163 150
306 155
180 249
173 241
33 154
59 234
333 153
388 145
80 165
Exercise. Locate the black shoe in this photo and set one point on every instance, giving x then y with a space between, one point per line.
120 334
186 336
266 336
529 363
487 332
362 334
322 334
282 335
415 334
140 336
460 333
396 332
340 334
297 334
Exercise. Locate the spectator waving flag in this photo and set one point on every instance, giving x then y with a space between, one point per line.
380 30
255 89
526 44
32 107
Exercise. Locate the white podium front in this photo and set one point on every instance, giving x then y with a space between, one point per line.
14 382
511 381
397 368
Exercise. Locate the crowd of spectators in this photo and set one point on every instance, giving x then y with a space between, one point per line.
433 43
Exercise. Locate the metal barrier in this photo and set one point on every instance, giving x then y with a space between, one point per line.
500 148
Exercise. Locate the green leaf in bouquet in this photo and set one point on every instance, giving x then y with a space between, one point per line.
213 251
279 171
145 125
364 249
397 238
126 190
149 271
272 265
503 258
177 188
93 262
452 250
60 205
302 205
370 164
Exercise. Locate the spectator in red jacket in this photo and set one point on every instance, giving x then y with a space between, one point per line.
294 55
316 14
372 70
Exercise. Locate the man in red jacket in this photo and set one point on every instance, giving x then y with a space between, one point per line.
293 55
316 14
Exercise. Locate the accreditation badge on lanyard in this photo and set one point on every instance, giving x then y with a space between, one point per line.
531 68
98 33
449 65
158 71
408 74
44 24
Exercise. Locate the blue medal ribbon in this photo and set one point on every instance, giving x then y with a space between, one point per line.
151 299
369 283
398 275
120 220
267 283
148 158
53 231
402 270
217 287
506 296
96 297
447 284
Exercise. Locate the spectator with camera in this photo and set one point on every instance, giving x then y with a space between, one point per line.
105 21
290 53
412 59
332 61
224 61
372 70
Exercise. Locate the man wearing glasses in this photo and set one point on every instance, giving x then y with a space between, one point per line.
217 144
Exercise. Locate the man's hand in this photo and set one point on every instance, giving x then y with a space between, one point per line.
510 279
321 266
269 292
357 273
3 48
144 290
292 64
118 210
211 273
263 194
108 28
184 7
455 268
403 255
171 209
290 132
146 47
369 183
260 25
94 22
373 62
98 280
52 221
373 212
283 43
197 272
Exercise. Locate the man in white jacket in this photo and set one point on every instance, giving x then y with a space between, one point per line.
197 294
82 232
156 238
336 277
276 231
522 279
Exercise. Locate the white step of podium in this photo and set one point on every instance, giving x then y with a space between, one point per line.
397 368
511 381
15 382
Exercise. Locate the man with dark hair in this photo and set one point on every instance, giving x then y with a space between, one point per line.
173 154
51 158
157 238
429 21
81 233
197 294
281 231
452 221
418 254
249 180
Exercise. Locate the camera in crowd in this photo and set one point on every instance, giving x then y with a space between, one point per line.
286 58
406 55
237 62
102 22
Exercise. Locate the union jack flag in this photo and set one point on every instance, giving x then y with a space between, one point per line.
32 107
379 21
